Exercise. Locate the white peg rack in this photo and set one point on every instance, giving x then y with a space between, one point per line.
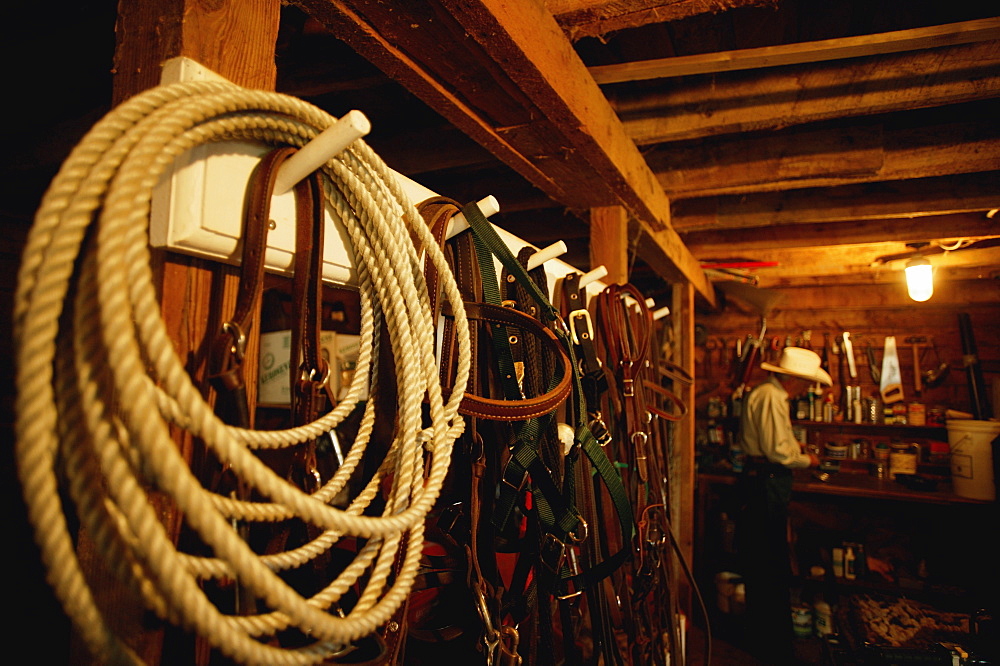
197 205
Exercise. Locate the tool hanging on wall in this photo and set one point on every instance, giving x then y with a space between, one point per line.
933 378
852 390
891 383
981 408
824 355
873 367
916 341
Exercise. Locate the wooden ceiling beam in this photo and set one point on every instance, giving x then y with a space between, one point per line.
857 261
595 18
898 41
821 157
824 234
874 201
736 102
505 74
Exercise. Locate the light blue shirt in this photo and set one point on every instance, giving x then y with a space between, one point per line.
766 427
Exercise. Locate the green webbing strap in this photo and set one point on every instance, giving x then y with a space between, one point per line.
483 231
485 235
553 511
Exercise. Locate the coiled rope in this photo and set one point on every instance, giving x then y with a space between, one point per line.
100 385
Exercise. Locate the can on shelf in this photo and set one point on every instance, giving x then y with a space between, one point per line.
802 621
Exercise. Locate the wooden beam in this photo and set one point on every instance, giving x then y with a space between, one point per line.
858 263
747 101
237 40
822 234
504 73
806 52
682 464
609 242
901 148
593 18
913 198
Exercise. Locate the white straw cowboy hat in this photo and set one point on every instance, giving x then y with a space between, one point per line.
799 362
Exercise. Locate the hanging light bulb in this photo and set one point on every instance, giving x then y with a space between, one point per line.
919 279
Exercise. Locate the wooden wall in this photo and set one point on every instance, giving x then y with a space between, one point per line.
869 313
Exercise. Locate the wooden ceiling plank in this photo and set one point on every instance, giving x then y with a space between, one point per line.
916 197
819 157
858 261
823 234
586 18
524 47
950 34
751 101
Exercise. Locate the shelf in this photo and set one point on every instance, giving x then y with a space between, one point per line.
907 587
930 432
862 486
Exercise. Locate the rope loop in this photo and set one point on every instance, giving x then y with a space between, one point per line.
100 386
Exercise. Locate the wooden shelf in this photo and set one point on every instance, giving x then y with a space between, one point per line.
856 485
930 432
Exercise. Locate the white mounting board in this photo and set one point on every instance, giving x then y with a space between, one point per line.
197 206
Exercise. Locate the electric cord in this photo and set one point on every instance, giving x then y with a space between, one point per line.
100 386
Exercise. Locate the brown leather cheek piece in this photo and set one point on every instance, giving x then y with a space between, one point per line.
517 410
438 211
669 395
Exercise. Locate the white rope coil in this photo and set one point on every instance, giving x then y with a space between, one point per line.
100 385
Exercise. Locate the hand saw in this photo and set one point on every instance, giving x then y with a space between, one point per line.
891 382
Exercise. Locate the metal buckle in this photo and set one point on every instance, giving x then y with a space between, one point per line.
574 567
601 432
586 531
310 376
548 544
575 316
239 346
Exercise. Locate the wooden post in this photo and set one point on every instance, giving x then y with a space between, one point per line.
609 242
683 502
237 40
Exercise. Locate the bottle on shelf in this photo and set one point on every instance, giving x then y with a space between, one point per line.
850 559
822 616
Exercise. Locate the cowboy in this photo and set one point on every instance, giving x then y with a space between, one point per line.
772 453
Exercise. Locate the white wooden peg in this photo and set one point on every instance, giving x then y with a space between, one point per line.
661 313
331 141
487 206
593 276
543 255
650 303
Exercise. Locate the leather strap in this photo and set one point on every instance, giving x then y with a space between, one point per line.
228 348
582 436
309 371
438 212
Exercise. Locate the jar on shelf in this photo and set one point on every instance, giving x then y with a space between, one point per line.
902 459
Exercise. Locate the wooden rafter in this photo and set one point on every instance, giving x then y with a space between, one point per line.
505 74
595 18
796 54
737 102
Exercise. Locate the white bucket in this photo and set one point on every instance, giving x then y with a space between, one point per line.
972 457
